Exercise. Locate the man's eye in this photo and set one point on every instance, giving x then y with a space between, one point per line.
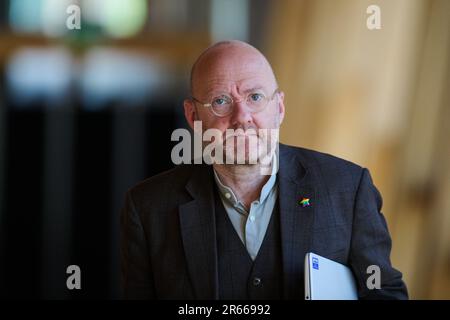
220 102
256 97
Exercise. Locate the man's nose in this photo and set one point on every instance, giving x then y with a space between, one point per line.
241 113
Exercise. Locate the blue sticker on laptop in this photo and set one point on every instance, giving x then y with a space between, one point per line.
315 263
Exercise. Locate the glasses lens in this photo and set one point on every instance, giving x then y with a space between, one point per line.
256 101
222 104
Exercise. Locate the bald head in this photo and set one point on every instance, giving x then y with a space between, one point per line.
225 57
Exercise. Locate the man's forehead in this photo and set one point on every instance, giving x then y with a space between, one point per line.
232 61
241 84
244 73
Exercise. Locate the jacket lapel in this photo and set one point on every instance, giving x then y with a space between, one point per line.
198 231
296 220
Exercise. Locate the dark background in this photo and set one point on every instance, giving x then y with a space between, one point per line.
67 156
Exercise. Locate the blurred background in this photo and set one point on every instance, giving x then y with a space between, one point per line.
87 113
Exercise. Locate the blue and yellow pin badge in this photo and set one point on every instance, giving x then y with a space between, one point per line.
304 202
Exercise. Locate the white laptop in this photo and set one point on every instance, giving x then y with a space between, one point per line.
326 279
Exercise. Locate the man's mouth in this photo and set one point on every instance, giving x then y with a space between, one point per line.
248 133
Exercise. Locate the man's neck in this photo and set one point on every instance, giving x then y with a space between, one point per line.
246 181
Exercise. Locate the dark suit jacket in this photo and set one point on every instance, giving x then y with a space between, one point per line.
168 228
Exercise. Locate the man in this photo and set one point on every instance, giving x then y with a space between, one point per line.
227 231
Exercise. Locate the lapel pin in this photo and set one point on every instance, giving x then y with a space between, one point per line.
305 202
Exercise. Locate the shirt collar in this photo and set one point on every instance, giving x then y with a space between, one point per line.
228 194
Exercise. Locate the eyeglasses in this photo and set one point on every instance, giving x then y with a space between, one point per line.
222 105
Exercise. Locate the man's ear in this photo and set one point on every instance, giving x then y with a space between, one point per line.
189 112
281 108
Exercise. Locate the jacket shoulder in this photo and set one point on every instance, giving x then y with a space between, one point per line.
163 183
328 166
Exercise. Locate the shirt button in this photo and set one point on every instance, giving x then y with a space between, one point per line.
255 203
227 195
252 218
256 281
